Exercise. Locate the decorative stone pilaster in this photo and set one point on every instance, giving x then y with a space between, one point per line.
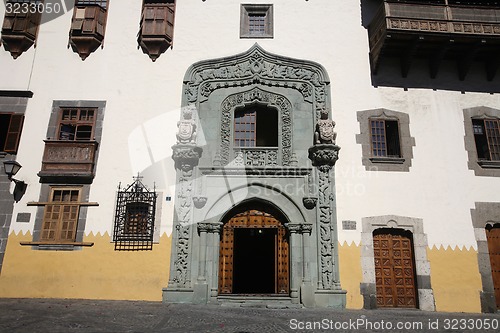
186 157
200 295
329 293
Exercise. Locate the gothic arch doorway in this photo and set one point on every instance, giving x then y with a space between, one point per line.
254 253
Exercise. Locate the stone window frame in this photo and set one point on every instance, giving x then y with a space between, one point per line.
52 131
247 10
485 214
425 293
490 168
406 141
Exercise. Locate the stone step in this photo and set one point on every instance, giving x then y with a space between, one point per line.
258 301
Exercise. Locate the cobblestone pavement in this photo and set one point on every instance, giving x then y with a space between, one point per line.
55 315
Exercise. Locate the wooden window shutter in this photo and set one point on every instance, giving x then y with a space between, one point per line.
13 133
170 21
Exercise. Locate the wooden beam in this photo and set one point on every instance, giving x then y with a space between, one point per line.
436 59
465 62
408 55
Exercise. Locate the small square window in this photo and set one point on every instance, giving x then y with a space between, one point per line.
256 21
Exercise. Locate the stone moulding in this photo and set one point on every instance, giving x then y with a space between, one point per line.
254 95
257 67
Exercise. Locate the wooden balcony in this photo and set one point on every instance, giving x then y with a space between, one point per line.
437 30
19 32
88 26
157 29
68 162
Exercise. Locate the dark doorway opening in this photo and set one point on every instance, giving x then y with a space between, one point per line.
254 260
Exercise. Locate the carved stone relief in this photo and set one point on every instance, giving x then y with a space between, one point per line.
240 99
256 66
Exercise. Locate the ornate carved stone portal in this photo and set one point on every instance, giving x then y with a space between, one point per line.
289 183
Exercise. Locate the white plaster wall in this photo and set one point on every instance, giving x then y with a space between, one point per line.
143 100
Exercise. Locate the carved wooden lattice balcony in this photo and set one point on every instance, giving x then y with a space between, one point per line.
19 31
462 31
157 28
87 29
68 161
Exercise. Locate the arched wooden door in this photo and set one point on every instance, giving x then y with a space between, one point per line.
493 237
254 255
394 269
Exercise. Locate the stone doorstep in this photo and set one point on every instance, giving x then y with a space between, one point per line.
269 302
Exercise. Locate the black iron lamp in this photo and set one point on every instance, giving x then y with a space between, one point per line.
11 168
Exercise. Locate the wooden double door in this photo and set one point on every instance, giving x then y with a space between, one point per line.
254 255
394 269
493 237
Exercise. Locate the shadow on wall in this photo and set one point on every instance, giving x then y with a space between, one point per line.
421 59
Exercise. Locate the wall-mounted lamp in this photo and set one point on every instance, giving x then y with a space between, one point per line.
11 168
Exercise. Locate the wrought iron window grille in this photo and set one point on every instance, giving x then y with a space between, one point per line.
135 217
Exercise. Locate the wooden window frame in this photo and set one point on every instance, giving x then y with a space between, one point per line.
492 136
489 165
249 117
13 132
59 228
76 123
248 10
406 141
377 152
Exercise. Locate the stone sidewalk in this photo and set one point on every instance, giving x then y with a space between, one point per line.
56 315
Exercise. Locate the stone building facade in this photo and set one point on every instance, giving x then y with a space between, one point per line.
320 153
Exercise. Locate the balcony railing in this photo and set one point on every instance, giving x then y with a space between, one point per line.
433 27
256 156
71 161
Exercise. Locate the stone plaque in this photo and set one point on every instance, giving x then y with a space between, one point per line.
348 225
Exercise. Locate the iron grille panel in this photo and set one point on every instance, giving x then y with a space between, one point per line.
135 218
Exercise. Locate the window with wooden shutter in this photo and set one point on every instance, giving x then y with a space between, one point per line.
20 27
256 21
10 132
60 218
156 32
256 126
88 26
385 138
487 139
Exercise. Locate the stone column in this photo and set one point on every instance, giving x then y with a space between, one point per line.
186 158
306 288
214 244
297 261
329 293
201 285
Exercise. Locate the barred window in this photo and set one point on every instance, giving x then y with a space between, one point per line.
60 217
134 217
256 21
76 124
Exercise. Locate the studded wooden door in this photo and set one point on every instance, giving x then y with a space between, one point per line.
253 219
394 270
493 237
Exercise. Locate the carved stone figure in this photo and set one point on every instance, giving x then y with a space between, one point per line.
187 126
324 133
